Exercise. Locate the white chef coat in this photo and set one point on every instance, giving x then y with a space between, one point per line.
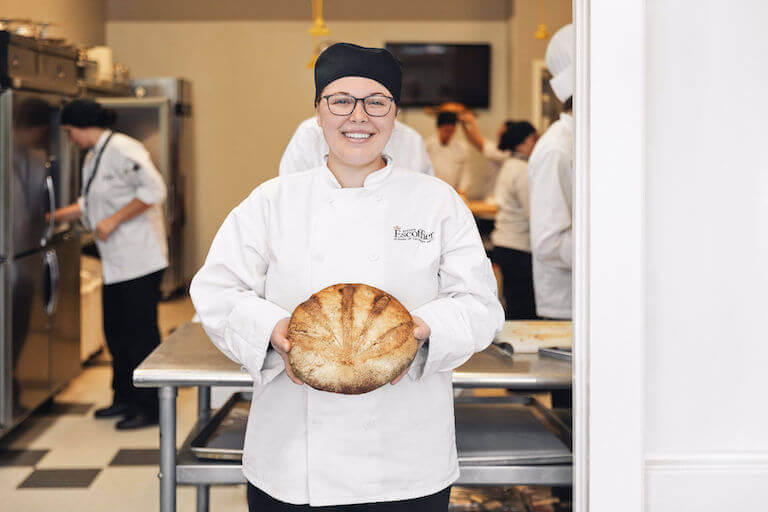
496 158
403 232
511 228
451 161
550 171
307 149
138 246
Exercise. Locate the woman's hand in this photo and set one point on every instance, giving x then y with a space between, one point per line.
105 227
421 332
282 346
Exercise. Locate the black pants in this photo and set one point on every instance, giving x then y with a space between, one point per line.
517 272
259 501
130 326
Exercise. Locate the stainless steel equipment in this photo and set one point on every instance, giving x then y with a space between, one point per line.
158 119
39 262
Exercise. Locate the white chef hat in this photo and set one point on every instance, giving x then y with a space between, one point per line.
559 59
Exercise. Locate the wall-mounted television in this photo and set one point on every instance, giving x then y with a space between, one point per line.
434 73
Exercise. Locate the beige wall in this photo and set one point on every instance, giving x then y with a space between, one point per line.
251 88
524 48
79 21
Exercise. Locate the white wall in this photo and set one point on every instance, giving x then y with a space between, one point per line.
672 307
707 255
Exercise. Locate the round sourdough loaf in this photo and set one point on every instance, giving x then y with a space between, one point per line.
351 339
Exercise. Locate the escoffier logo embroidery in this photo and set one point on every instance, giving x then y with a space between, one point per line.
413 234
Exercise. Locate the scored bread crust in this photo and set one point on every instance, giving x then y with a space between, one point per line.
350 338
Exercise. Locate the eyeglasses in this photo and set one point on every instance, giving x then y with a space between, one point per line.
375 105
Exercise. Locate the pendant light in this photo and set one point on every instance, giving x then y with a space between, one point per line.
541 30
317 31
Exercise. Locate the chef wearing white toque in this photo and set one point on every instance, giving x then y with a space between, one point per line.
550 171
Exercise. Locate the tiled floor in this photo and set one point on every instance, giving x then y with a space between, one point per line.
63 459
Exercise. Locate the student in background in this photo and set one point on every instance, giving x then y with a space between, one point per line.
121 203
490 150
510 237
550 171
449 155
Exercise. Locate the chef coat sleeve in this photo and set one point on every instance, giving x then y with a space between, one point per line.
144 176
465 180
492 152
466 315
424 163
523 192
551 221
228 291
300 154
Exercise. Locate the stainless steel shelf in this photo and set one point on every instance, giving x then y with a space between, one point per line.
500 442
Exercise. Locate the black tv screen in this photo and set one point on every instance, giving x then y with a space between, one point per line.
434 73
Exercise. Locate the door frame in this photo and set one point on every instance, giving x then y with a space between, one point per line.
609 259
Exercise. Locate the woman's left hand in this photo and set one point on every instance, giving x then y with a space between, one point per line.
421 332
105 227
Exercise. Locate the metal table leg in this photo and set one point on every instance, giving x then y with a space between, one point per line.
168 449
203 414
203 402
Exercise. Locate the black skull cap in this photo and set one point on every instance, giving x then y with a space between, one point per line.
347 59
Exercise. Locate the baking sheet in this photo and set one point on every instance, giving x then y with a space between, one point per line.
223 436
505 432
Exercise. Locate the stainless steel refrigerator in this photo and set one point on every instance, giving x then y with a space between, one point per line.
39 262
159 118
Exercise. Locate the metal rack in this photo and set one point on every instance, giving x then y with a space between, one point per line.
187 358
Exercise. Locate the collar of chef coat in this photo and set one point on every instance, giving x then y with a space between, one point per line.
102 140
567 119
373 180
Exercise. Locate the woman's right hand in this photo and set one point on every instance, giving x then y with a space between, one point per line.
282 346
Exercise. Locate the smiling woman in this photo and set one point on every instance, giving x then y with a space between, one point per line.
358 218
356 117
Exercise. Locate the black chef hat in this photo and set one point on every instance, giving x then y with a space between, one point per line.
85 113
446 118
515 134
345 59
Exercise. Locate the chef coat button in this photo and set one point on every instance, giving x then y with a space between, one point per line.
319 257
373 257
331 201
379 197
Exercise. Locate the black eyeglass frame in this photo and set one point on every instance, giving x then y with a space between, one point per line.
328 103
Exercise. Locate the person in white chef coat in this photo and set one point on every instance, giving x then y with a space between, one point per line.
490 150
449 154
358 218
121 203
550 172
307 149
511 233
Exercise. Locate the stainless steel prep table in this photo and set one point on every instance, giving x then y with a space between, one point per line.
188 358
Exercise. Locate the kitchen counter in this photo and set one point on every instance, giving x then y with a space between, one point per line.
188 358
